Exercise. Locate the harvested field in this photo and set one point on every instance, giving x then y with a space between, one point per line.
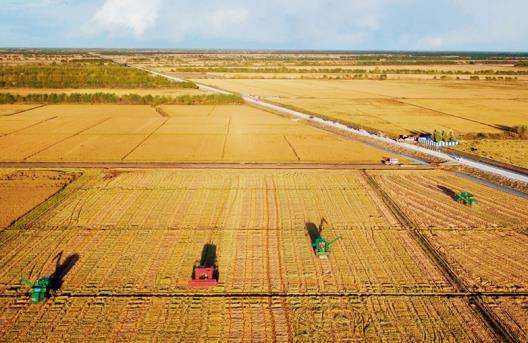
110 133
137 233
251 319
485 259
205 199
250 261
427 198
513 312
508 151
22 190
254 217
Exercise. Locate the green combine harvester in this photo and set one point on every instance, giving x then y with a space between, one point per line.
39 290
320 245
466 198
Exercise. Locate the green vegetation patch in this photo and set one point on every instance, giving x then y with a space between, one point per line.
83 75
128 99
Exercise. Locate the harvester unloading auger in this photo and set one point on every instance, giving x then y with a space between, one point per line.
205 272
320 245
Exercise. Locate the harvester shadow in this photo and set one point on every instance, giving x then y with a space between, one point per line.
313 231
208 259
62 269
448 191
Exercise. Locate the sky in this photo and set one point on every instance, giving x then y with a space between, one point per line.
447 25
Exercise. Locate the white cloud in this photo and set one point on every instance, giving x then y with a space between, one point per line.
271 23
492 24
118 17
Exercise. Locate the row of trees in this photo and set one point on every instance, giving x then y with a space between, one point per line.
83 75
338 70
128 99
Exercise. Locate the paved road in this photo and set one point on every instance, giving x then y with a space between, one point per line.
448 157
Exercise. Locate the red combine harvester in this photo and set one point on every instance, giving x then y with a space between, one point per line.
205 272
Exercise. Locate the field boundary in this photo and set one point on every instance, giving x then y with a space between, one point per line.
144 139
227 165
26 110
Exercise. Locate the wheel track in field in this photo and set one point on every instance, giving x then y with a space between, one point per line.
144 139
285 306
28 127
474 299
22 111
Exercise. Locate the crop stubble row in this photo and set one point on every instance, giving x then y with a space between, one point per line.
244 319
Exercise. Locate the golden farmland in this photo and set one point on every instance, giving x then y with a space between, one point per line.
115 204
109 133
159 219
398 107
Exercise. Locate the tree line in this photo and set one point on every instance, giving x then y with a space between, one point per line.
338 70
128 99
83 75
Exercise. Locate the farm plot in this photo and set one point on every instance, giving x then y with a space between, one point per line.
390 116
485 259
428 199
245 134
21 190
249 261
245 319
398 107
361 89
110 133
513 312
142 231
292 88
192 199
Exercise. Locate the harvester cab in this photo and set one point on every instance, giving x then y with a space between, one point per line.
466 198
39 290
205 272
320 245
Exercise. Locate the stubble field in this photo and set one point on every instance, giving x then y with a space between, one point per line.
137 234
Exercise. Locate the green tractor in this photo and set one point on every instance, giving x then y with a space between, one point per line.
320 245
39 290
466 198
